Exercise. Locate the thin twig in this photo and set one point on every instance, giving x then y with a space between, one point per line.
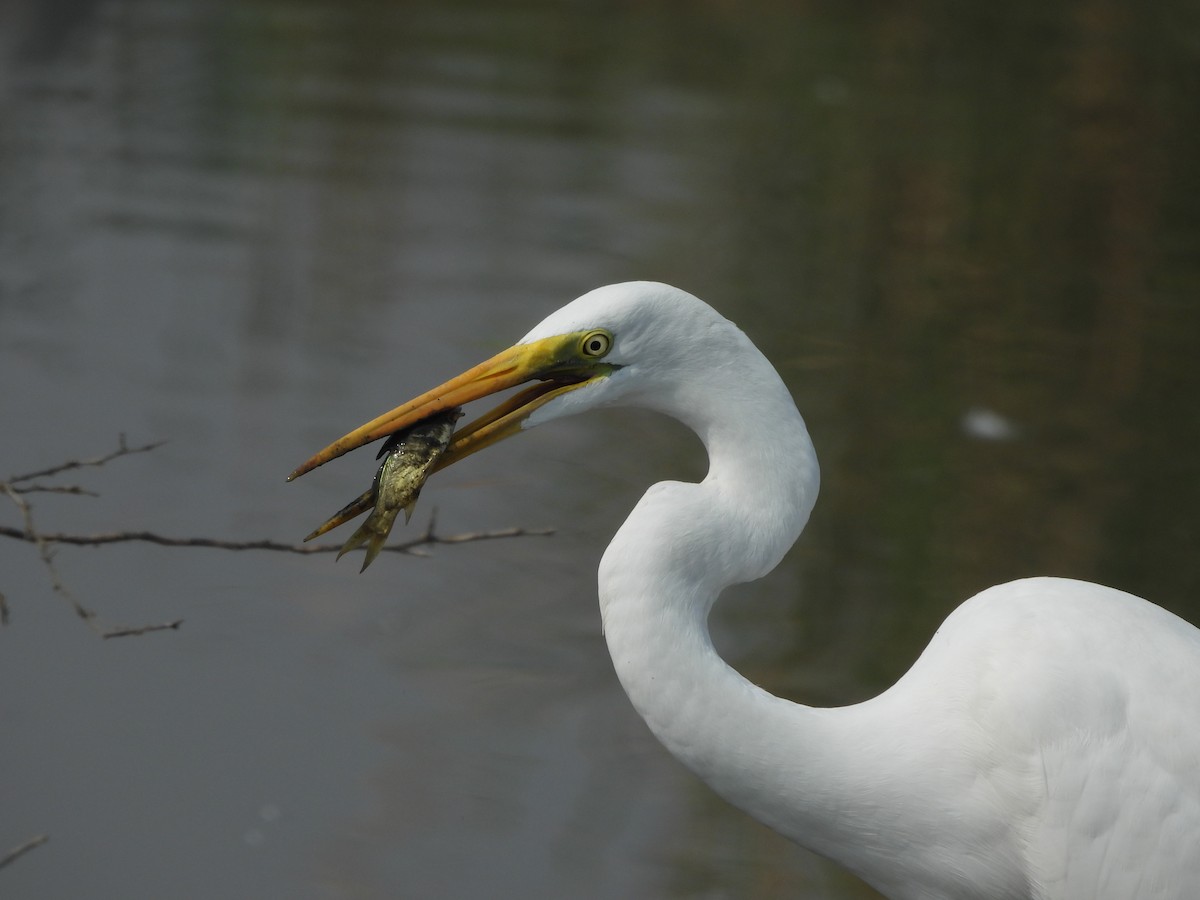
52 489
32 535
22 849
149 537
132 630
122 450
17 487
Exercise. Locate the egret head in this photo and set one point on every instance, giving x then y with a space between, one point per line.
603 349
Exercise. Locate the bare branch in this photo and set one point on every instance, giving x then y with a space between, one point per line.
18 487
427 538
30 533
132 630
122 450
53 489
22 849
47 556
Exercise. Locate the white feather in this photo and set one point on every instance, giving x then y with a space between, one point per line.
1045 745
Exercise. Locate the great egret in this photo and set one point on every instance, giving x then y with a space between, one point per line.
1045 745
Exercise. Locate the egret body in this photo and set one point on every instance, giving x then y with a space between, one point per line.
1046 744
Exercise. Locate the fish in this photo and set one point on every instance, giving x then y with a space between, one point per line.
408 458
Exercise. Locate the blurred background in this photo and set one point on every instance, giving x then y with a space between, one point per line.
968 234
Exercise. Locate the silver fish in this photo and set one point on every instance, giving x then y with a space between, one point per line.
408 456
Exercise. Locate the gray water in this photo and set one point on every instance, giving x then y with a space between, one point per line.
968 235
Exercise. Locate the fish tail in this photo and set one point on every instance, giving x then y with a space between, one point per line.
374 545
355 540
355 507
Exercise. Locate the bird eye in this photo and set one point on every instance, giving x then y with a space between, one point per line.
596 344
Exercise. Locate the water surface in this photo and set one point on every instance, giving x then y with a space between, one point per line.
969 237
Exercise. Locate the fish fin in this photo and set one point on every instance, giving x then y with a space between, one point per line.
412 504
355 507
373 548
355 540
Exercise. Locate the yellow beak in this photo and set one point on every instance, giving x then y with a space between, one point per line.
558 363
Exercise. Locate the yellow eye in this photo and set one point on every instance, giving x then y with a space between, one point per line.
596 344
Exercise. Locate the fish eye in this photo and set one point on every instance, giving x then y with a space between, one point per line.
596 344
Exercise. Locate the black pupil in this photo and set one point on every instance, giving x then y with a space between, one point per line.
595 345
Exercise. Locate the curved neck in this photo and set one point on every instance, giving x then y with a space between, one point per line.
682 545
826 778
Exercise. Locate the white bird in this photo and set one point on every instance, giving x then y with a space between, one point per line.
1046 744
